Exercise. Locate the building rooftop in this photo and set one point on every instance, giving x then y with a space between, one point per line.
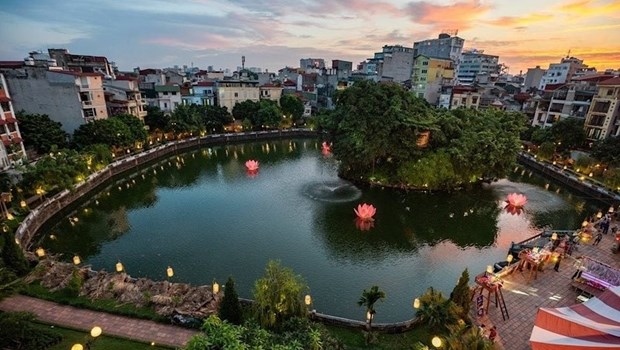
612 81
167 88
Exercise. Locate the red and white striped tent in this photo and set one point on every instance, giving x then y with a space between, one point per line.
592 325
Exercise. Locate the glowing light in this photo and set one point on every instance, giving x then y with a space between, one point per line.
169 272
119 267
77 260
509 258
436 341
489 269
77 347
416 303
308 300
216 287
96 331
40 252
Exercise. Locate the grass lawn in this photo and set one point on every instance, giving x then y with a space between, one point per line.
354 339
70 337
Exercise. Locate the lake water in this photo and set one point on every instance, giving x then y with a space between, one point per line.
203 215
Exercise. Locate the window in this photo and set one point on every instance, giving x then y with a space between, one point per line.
424 71
174 94
236 94
464 100
425 63
176 104
474 99
90 112
165 93
165 105
610 92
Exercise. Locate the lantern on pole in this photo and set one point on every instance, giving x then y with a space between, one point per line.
119 267
215 287
307 300
509 258
40 252
76 260
416 303
169 272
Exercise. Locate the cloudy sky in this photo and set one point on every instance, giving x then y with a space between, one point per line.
276 33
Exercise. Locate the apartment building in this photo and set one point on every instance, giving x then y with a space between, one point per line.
123 96
603 119
446 46
231 92
69 97
12 147
429 75
464 96
394 63
560 73
201 93
83 63
168 97
474 64
270 92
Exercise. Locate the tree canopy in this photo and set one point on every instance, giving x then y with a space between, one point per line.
40 132
112 132
379 132
292 106
607 151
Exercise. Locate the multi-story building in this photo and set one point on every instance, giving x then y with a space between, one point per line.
231 92
270 92
533 77
394 63
475 63
311 63
123 96
168 97
446 46
603 119
429 75
464 96
12 148
201 93
150 75
571 100
68 97
83 63
342 66
560 73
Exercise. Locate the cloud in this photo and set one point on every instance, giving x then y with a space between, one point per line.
459 15
520 21
590 8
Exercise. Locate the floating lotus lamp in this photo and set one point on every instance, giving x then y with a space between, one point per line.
513 210
365 212
326 149
364 225
251 165
516 200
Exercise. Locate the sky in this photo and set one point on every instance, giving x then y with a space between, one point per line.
272 34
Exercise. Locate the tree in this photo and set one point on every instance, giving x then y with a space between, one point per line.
40 132
607 151
466 337
368 299
568 133
279 295
58 170
112 132
186 119
269 114
437 311
247 109
230 308
546 150
215 117
156 119
292 106
13 256
541 135
135 125
461 294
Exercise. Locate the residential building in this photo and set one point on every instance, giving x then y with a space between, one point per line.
201 93
12 147
446 46
475 63
231 92
151 75
561 101
311 63
464 96
603 119
83 63
533 77
168 97
394 63
429 75
560 73
68 97
270 92
174 77
343 66
123 96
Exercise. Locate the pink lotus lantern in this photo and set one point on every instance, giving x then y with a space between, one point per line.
516 200
364 225
365 212
513 210
251 165
326 149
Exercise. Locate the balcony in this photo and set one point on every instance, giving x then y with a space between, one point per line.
87 104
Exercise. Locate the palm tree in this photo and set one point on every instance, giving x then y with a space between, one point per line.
368 299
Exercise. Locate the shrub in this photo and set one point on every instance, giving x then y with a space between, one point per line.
461 294
17 332
230 308
13 256
436 311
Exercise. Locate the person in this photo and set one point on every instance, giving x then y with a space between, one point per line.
556 267
493 333
580 267
598 238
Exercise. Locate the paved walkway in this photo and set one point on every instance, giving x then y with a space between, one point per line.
81 319
551 289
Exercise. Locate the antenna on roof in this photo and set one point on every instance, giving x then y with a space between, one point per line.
568 54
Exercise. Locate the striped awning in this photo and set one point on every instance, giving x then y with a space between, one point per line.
592 325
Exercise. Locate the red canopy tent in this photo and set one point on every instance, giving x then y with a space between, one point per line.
592 325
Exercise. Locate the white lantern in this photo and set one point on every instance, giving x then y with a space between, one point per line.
436 341
169 271
77 260
554 236
416 303
40 252
77 347
308 300
509 258
95 332
216 287
119 267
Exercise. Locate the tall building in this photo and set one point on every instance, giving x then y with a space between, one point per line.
533 77
394 63
603 119
12 147
445 46
474 64
69 97
123 96
311 63
83 63
340 65
231 92
429 75
559 73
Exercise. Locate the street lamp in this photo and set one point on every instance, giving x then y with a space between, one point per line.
119 267
436 341
215 287
169 272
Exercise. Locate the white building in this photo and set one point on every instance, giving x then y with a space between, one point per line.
475 63
560 73
168 97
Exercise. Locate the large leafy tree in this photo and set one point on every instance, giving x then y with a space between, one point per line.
376 124
186 119
247 109
607 151
112 132
269 114
40 132
369 298
57 171
156 119
568 133
135 125
214 117
13 256
279 295
292 106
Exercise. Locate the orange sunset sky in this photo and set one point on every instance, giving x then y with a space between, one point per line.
277 33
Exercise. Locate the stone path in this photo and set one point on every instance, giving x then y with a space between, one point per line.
81 319
551 289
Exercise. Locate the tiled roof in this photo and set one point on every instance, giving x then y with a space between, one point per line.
148 71
11 64
77 74
204 83
553 87
126 77
612 81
